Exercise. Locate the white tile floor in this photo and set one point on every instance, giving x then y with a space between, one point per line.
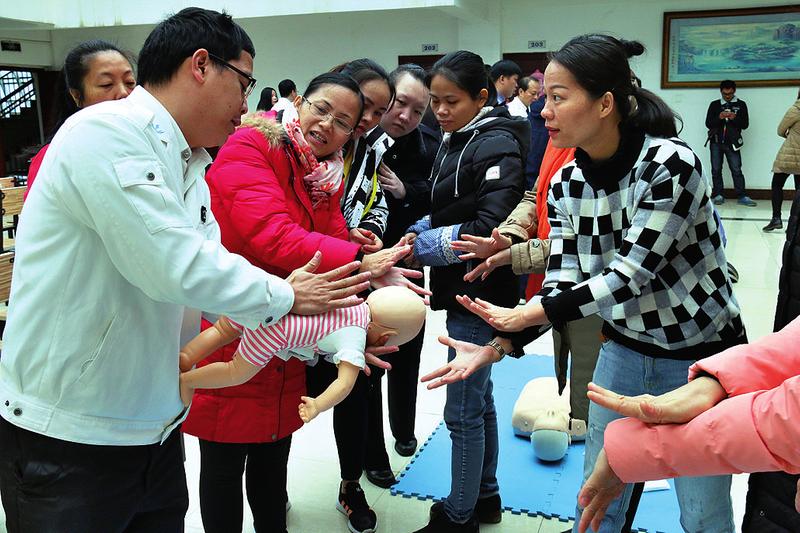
313 468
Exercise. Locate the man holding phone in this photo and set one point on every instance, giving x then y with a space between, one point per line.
725 120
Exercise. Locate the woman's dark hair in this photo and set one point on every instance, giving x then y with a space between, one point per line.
412 69
342 80
265 101
466 70
73 73
599 64
182 34
364 70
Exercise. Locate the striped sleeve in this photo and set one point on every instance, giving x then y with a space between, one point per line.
259 345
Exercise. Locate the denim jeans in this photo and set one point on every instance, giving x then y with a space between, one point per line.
471 418
734 158
705 502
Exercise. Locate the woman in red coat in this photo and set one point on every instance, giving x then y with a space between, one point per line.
275 194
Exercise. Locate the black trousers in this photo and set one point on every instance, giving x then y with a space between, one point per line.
50 485
349 417
402 401
221 467
778 181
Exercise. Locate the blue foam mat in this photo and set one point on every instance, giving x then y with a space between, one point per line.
527 485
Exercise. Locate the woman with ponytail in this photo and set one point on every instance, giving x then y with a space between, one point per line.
94 71
633 239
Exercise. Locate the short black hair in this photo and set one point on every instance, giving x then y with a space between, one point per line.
412 69
505 67
466 70
182 34
285 88
727 84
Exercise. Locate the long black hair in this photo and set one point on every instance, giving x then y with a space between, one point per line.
265 101
72 77
599 64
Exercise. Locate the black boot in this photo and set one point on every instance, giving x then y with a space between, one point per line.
440 523
775 223
489 510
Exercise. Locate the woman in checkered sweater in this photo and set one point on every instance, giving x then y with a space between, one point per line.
634 240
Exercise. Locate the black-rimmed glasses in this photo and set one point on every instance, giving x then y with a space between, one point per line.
251 81
322 112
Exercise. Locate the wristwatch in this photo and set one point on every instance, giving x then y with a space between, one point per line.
498 348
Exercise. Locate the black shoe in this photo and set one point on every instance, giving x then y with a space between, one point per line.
440 523
353 504
382 478
775 223
407 448
489 510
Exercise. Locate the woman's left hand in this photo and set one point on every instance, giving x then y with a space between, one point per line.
399 277
602 487
369 242
504 318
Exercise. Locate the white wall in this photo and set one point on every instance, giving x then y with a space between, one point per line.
642 20
300 46
37 50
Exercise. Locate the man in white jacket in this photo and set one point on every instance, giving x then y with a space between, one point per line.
112 250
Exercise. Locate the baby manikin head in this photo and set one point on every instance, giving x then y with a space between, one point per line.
396 316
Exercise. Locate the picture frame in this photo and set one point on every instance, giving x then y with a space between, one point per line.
755 47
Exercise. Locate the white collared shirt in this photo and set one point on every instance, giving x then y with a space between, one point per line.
517 109
116 245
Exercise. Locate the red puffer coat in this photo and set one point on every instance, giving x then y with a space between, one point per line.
265 215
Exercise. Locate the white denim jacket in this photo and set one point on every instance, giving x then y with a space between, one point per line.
111 254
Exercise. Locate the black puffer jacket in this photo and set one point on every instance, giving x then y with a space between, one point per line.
770 495
478 179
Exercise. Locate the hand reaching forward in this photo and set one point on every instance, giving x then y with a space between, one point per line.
380 262
399 277
369 242
318 293
308 409
675 407
481 247
505 318
469 358
602 487
487 266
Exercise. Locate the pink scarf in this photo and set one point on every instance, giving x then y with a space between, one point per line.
321 179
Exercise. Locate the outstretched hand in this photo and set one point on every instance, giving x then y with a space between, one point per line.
675 407
469 358
505 318
481 247
372 355
602 487
487 266
318 293
399 277
307 409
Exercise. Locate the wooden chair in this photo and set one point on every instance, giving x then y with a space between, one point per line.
10 206
7 182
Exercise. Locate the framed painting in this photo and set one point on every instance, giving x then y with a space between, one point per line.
754 47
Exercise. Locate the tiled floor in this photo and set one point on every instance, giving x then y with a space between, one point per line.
313 468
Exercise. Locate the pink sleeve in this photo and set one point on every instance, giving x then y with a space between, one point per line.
258 346
761 365
753 432
33 170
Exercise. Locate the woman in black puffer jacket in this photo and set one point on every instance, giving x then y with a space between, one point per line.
477 179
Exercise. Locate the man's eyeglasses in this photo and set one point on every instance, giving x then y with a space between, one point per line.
251 81
322 112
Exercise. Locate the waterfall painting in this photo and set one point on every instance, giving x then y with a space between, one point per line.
753 47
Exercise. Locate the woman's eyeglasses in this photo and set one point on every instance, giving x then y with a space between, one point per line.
318 110
251 81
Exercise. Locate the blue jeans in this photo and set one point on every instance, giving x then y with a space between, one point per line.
734 158
705 502
471 418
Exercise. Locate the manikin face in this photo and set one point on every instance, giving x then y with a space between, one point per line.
376 103
327 134
572 116
410 101
109 77
453 106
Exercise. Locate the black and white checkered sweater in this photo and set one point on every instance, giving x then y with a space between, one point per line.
634 239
